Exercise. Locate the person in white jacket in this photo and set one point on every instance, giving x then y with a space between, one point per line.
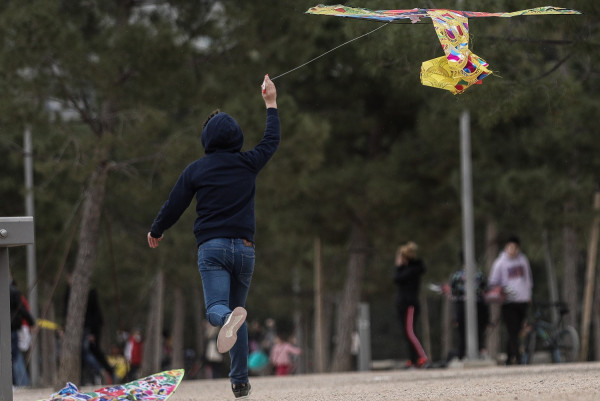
511 272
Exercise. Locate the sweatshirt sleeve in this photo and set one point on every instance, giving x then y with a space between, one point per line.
530 275
495 274
260 155
179 199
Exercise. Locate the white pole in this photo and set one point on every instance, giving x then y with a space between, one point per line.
31 261
468 238
5 334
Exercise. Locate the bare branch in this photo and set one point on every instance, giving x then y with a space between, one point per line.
556 66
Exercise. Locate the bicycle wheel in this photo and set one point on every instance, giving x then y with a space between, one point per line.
529 351
567 344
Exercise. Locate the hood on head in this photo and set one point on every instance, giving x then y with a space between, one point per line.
222 134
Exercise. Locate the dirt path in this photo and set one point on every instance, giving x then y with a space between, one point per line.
568 382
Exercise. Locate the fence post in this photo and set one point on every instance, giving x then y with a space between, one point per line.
14 231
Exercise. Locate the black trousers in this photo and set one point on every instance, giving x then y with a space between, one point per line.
483 317
514 315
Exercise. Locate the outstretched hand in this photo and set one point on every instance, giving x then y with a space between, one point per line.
153 242
269 92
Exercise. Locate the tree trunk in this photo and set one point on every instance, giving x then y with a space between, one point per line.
596 323
569 278
590 280
346 322
319 339
199 313
177 331
491 252
89 234
153 335
447 329
328 310
48 354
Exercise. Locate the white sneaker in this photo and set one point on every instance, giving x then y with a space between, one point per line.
228 333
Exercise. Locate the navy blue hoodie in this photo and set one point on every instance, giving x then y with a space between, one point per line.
223 182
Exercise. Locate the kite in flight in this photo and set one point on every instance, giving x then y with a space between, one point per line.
459 68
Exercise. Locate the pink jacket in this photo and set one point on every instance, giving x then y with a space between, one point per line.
280 353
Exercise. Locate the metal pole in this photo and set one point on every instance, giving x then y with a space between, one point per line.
590 282
5 350
31 261
468 238
364 335
551 276
318 300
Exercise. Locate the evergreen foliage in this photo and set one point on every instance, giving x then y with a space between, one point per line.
362 140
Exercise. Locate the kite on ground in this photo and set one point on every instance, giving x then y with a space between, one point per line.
157 387
459 68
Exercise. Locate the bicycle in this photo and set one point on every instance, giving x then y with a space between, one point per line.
562 341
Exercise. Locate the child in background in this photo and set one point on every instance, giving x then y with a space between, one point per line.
281 355
117 360
134 350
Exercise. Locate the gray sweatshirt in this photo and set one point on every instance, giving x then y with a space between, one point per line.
514 276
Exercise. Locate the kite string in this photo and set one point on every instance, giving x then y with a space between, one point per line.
329 51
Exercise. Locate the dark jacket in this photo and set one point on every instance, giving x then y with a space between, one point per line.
408 279
18 310
223 182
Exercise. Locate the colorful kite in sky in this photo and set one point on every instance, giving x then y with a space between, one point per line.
157 387
459 68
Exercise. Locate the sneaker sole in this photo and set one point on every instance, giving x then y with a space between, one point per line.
228 333
241 397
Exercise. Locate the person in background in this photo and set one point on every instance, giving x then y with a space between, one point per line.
212 357
457 296
270 334
117 360
18 313
134 352
407 277
93 359
167 350
511 272
281 355
92 327
224 185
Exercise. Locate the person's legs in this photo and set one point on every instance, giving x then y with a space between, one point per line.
513 324
401 311
19 370
214 264
521 316
226 266
459 312
243 268
417 353
483 317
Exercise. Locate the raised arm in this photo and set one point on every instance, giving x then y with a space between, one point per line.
269 93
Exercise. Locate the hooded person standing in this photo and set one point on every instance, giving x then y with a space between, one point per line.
511 272
223 183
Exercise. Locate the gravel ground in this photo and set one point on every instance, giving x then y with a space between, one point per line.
576 382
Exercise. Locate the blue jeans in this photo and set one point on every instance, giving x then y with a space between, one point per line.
226 266
19 370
